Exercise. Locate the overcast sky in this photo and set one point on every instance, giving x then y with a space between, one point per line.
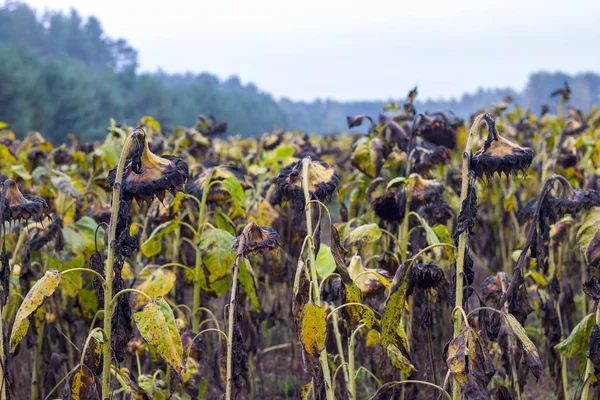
349 50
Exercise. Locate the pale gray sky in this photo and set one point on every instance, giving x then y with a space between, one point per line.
349 50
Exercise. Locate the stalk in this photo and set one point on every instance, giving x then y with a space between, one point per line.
589 366
2 356
232 302
306 163
462 240
108 271
198 266
351 373
35 378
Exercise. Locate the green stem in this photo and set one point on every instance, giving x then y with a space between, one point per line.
108 272
462 240
230 333
338 341
198 266
36 363
352 386
306 164
589 366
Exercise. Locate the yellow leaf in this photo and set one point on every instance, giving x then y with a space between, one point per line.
313 329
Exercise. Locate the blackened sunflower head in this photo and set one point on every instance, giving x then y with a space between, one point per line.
147 175
322 181
437 130
500 155
390 206
271 141
256 239
218 193
19 206
427 276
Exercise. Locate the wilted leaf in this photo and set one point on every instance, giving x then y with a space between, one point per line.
369 155
363 234
532 357
325 261
588 237
218 258
576 343
20 171
82 385
175 203
392 332
247 280
156 324
42 289
399 360
470 364
313 329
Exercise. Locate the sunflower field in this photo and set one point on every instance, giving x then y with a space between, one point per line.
431 258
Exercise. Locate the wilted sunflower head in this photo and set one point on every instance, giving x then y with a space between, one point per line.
19 206
322 181
390 206
493 287
272 140
256 239
499 154
425 159
438 212
218 192
427 276
147 175
426 190
436 130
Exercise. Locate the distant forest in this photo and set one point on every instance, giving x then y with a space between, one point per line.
60 73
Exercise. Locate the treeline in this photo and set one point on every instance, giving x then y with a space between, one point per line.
61 74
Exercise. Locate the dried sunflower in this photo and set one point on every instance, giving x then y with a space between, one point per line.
147 175
499 154
425 159
19 206
436 129
218 193
256 239
426 190
272 141
427 276
390 206
322 181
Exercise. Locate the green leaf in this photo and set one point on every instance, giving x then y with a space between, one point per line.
21 171
235 189
88 302
158 284
577 342
152 246
369 154
217 256
156 324
588 237
175 203
444 237
313 329
248 282
42 289
362 235
400 180
325 262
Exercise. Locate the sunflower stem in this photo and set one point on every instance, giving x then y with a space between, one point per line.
108 271
462 240
231 312
306 164
198 266
589 365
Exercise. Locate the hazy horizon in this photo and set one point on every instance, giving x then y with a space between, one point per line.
341 51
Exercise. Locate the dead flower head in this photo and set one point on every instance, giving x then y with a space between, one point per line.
256 239
18 206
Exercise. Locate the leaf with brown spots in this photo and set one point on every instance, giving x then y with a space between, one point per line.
156 323
159 283
42 289
313 329
82 385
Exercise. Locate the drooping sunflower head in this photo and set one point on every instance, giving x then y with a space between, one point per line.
18 206
218 193
256 239
436 129
390 206
322 181
427 276
426 190
147 175
500 155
